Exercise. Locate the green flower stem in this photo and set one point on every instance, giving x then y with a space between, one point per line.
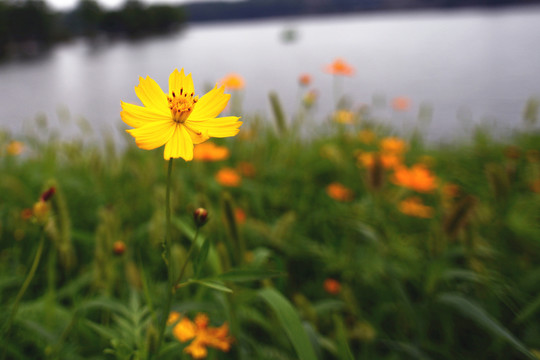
26 283
188 256
167 246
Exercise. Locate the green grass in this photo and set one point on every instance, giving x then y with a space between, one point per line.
463 284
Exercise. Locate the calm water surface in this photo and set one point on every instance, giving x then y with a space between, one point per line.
482 64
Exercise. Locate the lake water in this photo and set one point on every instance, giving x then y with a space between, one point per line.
468 63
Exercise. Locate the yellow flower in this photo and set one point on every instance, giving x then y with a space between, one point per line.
388 161
15 148
178 119
203 336
209 151
339 192
413 206
339 67
417 178
228 177
233 82
344 117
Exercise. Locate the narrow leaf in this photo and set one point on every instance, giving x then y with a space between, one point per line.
290 321
211 284
242 275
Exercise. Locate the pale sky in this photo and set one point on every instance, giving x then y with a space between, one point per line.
109 4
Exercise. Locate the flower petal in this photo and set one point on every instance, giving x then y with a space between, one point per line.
151 95
211 104
216 127
136 116
153 135
177 81
179 145
197 136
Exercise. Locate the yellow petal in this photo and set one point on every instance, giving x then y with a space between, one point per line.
211 104
185 330
179 145
152 96
197 136
153 135
216 127
136 116
177 81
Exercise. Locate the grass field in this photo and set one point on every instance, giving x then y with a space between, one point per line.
340 240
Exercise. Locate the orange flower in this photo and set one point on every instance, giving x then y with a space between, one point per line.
401 103
332 286
233 81
339 192
174 316
393 145
209 151
388 161
413 206
304 79
417 178
203 336
240 216
15 148
228 177
246 169
339 67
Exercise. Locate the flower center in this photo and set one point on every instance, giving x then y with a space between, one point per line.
181 105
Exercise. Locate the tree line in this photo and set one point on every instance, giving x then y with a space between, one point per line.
30 26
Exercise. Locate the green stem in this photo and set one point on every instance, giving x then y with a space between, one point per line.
26 283
188 256
167 246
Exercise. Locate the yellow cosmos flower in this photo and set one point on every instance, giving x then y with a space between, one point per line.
178 119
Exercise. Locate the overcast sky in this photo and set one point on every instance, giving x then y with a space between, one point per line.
69 4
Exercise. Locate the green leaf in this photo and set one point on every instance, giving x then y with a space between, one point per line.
290 321
483 319
342 341
211 284
200 259
243 275
529 310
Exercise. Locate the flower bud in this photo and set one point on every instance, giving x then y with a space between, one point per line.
46 195
119 247
200 216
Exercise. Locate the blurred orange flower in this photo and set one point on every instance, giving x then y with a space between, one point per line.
417 178
208 151
388 161
339 192
228 177
401 103
332 286
413 206
339 67
304 79
203 336
247 169
366 136
233 81
535 186
240 216
14 148
393 145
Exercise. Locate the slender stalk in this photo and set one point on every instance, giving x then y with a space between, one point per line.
188 256
167 247
26 283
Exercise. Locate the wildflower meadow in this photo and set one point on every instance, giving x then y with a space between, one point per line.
210 233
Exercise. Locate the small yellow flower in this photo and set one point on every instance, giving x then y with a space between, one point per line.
233 81
209 151
228 177
178 119
413 206
344 117
203 336
41 211
15 148
339 67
